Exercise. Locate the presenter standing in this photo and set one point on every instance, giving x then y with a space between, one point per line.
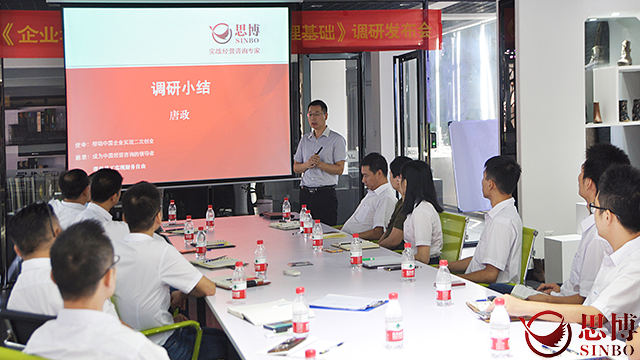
320 159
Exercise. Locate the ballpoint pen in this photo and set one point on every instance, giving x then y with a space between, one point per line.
331 347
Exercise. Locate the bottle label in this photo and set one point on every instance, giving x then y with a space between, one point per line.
394 331
201 250
499 344
210 223
188 236
301 327
443 294
238 290
317 241
307 229
286 215
260 265
408 270
356 259
172 216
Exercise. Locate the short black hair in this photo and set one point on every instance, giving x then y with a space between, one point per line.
619 192
31 227
599 158
80 257
104 184
375 162
72 183
504 171
141 203
397 163
320 103
420 186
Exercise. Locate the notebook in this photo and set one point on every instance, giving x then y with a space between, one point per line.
290 225
265 313
214 264
382 261
346 245
213 244
224 282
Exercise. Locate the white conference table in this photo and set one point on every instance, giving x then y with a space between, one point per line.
452 332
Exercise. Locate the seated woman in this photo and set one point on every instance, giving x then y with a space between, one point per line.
422 227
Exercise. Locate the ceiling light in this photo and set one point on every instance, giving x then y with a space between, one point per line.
615 14
593 19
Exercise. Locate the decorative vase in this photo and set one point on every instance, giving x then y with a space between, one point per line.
625 56
597 119
624 114
636 110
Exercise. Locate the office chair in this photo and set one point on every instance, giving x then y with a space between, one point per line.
11 354
176 326
21 326
454 232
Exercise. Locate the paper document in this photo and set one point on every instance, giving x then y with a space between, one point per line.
523 292
344 302
382 261
265 313
290 225
346 245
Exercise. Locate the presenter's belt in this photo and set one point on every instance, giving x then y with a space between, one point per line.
313 190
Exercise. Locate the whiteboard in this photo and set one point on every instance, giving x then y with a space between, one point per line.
473 142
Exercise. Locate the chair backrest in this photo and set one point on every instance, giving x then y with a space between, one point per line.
454 232
528 238
11 354
23 324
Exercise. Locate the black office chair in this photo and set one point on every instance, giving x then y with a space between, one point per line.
20 326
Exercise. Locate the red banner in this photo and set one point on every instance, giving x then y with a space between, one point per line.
31 34
315 32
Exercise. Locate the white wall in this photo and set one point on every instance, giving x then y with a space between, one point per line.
328 83
550 112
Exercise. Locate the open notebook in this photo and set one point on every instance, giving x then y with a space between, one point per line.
346 245
265 313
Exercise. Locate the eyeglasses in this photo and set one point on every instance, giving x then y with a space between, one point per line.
116 258
315 114
593 206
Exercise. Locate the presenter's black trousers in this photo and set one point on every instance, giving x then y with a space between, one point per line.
322 202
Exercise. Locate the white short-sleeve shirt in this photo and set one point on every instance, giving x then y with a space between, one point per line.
586 261
616 288
94 212
147 268
423 228
374 210
500 243
36 293
334 149
89 334
66 212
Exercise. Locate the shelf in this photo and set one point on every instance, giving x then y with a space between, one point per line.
630 68
618 124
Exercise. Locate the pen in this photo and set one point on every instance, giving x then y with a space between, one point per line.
368 259
318 152
573 351
218 258
481 300
549 349
331 347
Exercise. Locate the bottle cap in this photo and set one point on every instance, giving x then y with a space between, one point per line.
188 217
407 245
300 290
444 263
308 211
499 301
317 221
356 235
393 296
260 242
238 264
304 206
200 227
286 199
210 206
172 202
310 353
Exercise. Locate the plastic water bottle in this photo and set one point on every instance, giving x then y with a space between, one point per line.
210 218
286 210
499 323
173 212
188 232
393 320
308 225
408 264
303 213
239 284
443 284
356 252
260 262
201 244
300 308
317 236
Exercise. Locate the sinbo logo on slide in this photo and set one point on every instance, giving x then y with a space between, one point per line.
244 33
551 340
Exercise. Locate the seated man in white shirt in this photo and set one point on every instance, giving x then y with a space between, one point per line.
616 288
105 194
373 213
148 268
592 247
83 267
498 254
34 230
76 192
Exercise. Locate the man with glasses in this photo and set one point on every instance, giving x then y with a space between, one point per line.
34 229
320 159
76 192
592 247
616 288
83 267
148 268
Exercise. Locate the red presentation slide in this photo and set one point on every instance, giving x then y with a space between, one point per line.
174 124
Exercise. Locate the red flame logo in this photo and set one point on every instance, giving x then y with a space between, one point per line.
551 340
221 33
